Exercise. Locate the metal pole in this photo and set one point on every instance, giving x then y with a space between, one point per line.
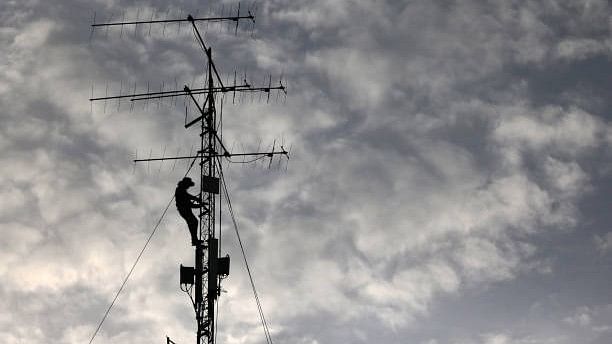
212 253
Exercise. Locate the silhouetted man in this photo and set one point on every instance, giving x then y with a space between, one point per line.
184 203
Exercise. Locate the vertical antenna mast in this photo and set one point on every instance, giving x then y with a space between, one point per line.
205 277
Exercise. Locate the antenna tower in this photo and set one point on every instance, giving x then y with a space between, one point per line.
202 282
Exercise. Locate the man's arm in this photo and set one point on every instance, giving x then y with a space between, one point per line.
195 198
197 203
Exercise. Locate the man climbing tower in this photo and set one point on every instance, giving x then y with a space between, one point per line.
184 203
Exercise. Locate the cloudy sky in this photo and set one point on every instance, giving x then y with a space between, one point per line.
449 182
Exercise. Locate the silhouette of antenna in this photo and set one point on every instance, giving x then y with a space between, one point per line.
208 19
144 23
203 281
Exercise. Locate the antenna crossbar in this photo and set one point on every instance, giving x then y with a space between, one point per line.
210 19
242 88
225 155
178 93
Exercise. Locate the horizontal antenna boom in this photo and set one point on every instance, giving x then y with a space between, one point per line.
233 18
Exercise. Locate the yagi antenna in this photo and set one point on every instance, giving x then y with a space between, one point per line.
235 18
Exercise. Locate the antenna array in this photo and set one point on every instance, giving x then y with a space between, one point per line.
203 281
227 19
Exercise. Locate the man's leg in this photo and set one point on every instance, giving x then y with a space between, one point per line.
192 222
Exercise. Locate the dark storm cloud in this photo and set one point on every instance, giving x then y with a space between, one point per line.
448 183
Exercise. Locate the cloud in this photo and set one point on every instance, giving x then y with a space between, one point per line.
581 318
550 129
592 320
604 242
423 171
